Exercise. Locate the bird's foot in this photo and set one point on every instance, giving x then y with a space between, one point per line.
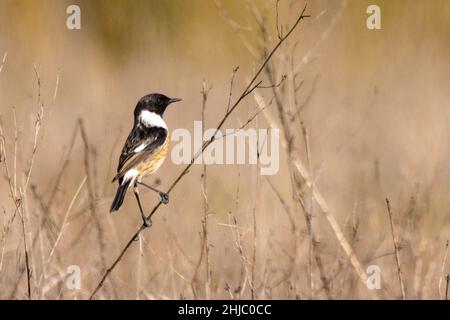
164 197
147 222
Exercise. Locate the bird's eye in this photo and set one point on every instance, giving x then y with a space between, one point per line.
159 100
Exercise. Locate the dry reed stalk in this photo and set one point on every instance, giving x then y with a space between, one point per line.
65 164
166 261
91 193
308 57
397 251
25 243
296 184
283 203
444 261
238 240
319 199
237 236
28 172
254 211
12 191
289 140
19 194
204 251
37 127
5 232
295 231
446 286
206 212
245 261
139 267
46 223
64 224
5 55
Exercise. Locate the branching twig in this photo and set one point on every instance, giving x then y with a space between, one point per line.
230 95
246 123
18 194
37 127
204 253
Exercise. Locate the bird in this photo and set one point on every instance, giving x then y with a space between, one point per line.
144 150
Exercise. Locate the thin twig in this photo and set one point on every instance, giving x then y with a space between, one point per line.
20 199
5 55
254 211
65 164
5 233
62 229
446 286
204 253
16 138
230 95
91 192
205 192
397 250
139 267
246 123
25 244
37 127
55 92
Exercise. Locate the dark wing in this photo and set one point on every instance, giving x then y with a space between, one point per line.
141 143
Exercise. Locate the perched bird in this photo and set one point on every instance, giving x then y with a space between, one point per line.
145 149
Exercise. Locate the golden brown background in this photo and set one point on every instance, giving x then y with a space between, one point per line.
377 119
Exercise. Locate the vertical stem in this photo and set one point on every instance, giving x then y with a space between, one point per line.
446 287
25 247
255 210
397 251
444 260
205 203
91 192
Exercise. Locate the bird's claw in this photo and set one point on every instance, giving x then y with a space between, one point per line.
147 222
164 197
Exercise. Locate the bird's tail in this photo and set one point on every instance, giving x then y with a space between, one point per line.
120 195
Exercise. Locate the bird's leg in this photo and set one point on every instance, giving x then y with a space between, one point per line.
164 196
147 222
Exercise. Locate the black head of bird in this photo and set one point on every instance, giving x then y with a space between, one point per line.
154 102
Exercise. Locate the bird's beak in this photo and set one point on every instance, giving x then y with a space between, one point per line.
174 100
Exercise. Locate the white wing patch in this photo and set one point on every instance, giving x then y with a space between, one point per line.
140 147
151 119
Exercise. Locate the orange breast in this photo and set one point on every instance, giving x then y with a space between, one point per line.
153 162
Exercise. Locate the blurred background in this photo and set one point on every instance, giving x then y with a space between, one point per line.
375 111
